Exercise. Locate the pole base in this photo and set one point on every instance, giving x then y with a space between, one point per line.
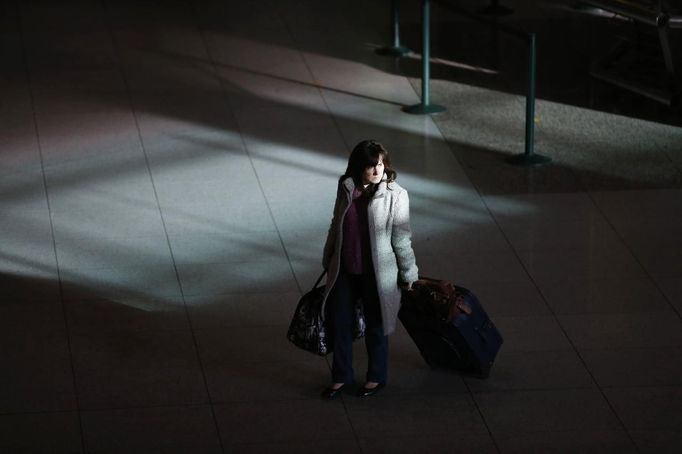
393 51
529 159
424 109
496 10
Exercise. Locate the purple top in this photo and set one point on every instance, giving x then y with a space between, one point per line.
355 250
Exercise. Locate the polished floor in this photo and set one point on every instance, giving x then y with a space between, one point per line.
167 174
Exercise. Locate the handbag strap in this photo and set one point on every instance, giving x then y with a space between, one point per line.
319 278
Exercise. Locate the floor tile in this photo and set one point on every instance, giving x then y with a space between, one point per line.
585 235
246 276
324 184
496 180
43 311
415 377
30 286
534 370
192 117
242 18
20 151
201 196
132 283
635 366
144 17
23 191
366 82
247 344
90 48
568 441
658 441
111 220
124 183
647 408
309 126
167 71
641 233
579 264
217 217
508 413
595 296
55 107
619 205
281 59
307 272
149 251
77 80
94 313
41 432
416 416
37 371
313 215
288 421
465 239
328 446
509 299
387 131
267 381
672 289
434 163
136 368
305 244
662 261
488 266
187 172
29 252
82 136
163 429
321 151
241 309
442 208
531 208
462 443
531 333
269 87
618 331
291 127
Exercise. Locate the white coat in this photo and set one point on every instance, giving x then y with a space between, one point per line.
390 238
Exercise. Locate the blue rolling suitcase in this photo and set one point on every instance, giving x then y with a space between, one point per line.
450 327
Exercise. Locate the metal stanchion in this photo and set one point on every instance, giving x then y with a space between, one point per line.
396 50
529 157
425 107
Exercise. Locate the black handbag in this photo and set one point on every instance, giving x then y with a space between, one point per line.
308 330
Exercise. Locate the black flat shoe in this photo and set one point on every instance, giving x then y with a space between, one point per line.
331 393
366 392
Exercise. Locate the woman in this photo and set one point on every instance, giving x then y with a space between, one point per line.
367 253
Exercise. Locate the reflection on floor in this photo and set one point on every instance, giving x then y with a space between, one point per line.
166 181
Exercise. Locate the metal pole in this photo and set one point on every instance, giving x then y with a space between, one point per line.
396 50
425 107
530 98
396 23
426 52
529 158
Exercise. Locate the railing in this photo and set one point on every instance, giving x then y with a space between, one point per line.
529 157
666 87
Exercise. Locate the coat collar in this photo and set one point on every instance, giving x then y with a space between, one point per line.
349 185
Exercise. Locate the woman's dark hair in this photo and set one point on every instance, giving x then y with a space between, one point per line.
366 154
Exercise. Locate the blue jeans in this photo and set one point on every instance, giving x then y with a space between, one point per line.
347 289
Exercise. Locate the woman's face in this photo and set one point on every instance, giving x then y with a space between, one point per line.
374 174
